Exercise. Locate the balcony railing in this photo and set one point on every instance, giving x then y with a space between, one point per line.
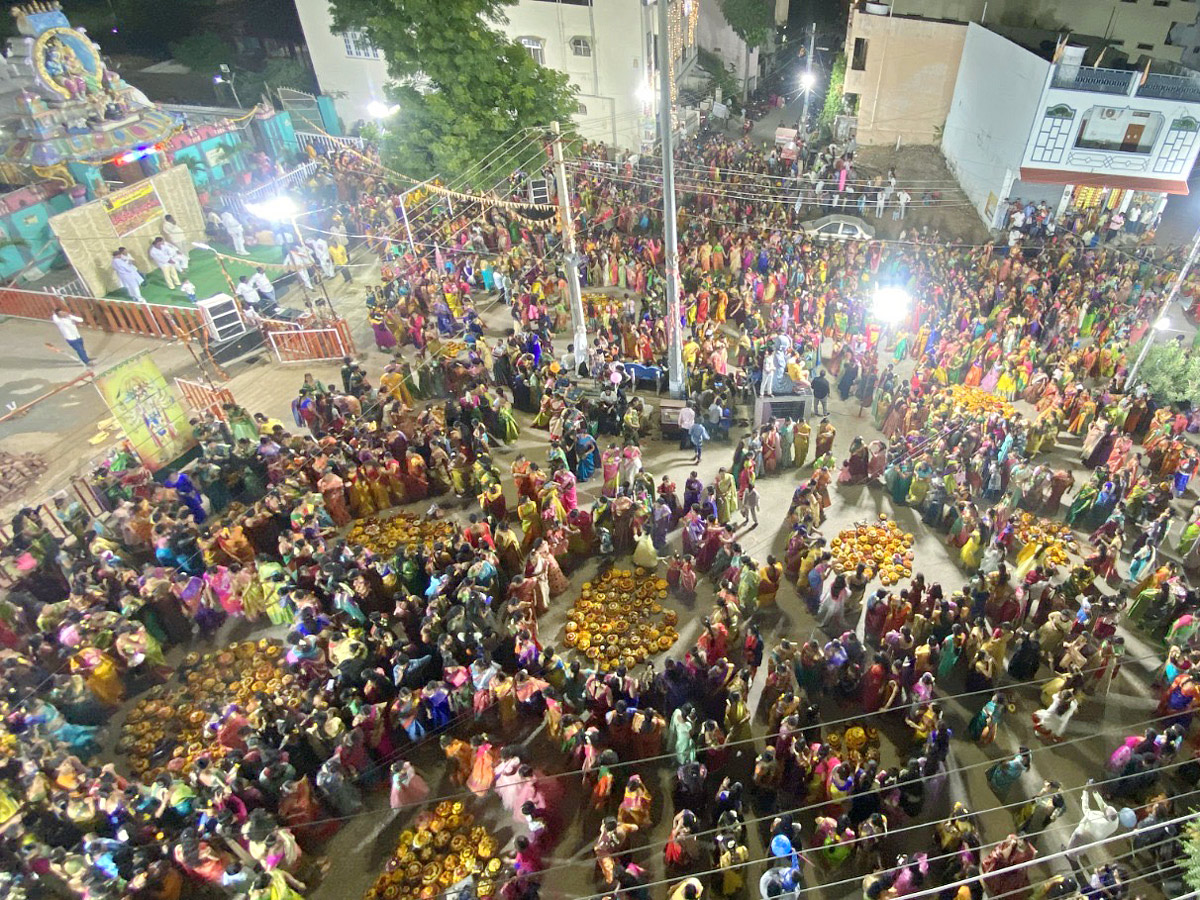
1171 87
1097 81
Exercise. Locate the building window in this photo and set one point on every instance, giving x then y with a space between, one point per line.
1162 2
859 61
1118 130
536 48
581 46
1145 46
580 109
1053 135
358 47
1179 147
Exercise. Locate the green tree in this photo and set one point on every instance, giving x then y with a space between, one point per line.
751 20
276 73
203 52
1172 371
1191 856
463 88
833 95
721 77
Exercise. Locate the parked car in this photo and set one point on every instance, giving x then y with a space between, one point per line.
839 228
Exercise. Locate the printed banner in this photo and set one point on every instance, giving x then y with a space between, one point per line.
147 410
130 209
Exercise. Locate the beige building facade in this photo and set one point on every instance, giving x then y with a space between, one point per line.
902 72
902 56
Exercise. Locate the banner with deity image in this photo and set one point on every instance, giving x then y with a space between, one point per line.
154 421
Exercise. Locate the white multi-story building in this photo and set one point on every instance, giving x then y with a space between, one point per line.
605 47
1073 134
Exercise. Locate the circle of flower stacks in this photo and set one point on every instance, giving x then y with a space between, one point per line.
169 727
881 546
968 400
383 534
443 846
619 619
1058 536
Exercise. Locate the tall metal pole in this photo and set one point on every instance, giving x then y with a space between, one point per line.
578 322
808 78
412 245
670 238
1171 295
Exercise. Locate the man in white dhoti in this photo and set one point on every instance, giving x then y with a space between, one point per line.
1097 823
237 234
127 274
166 257
298 260
175 235
320 250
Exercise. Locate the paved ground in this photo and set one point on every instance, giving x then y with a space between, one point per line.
363 844
360 849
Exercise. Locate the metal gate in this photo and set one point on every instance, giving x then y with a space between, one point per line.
308 345
203 397
306 114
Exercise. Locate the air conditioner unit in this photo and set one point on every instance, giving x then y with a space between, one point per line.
222 318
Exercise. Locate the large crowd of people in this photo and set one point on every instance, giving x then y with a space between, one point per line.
386 650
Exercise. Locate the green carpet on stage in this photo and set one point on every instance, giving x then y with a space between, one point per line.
204 271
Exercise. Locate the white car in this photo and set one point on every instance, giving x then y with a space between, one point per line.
839 228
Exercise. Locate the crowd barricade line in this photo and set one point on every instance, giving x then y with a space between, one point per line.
203 398
328 340
114 316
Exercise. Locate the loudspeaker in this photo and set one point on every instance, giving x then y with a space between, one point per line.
222 318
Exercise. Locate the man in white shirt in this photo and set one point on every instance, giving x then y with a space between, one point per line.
569 363
500 280
237 234
687 418
175 236
247 294
299 259
65 323
320 250
261 283
127 274
165 257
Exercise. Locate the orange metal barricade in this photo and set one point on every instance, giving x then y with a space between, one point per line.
202 397
119 316
321 340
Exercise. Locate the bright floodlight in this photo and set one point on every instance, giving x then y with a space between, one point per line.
380 110
1163 324
807 80
645 93
891 304
274 209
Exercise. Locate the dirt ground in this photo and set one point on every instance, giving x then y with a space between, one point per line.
937 200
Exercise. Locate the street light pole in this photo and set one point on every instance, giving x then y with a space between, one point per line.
1180 277
808 77
578 322
670 223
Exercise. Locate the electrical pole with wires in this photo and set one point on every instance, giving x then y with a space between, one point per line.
808 79
670 221
570 256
